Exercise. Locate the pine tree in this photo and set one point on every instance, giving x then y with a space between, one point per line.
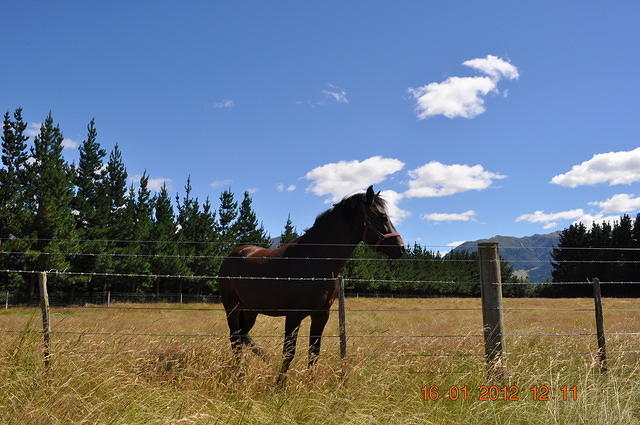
116 188
246 227
289 232
111 211
166 258
188 211
621 237
14 212
600 257
144 209
634 257
134 230
635 232
227 213
52 188
209 250
123 246
91 205
90 195
575 236
565 261
198 227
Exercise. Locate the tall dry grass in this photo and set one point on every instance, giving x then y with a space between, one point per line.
103 374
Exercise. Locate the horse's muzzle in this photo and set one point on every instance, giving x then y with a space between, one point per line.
392 246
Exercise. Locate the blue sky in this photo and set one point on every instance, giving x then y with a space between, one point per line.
462 112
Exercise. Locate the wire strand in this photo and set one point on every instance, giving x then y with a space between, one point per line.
267 257
296 279
194 242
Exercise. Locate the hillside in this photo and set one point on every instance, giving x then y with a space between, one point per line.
529 256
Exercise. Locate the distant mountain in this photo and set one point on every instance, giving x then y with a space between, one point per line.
274 242
529 256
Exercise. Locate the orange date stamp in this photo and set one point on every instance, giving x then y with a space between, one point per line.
497 392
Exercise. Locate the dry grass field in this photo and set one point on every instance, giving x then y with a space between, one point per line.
102 373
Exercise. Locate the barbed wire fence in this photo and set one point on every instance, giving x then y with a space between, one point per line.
491 296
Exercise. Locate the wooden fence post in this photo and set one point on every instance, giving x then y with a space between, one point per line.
597 299
492 318
46 322
342 319
6 301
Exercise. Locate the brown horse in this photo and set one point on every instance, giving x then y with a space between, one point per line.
284 285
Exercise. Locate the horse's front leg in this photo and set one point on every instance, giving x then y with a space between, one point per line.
291 326
318 322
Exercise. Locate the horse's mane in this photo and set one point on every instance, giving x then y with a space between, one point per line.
379 205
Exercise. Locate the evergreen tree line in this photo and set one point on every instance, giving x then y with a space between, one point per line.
50 209
85 217
425 273
597 259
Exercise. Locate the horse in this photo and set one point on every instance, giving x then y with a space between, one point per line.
300 278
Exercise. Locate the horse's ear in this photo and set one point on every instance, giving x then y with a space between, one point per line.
370 195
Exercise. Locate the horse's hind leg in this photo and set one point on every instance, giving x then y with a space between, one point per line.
235 335
247 320
291 326
318 322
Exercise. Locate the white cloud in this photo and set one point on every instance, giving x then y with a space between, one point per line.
33 129
462 96
465 216
281 187
542 217
454 97
335 93
252 190
154 184
396 214
342 178
69 144
588 219
331 94
494 66
218 183
455 244
614 167
437 179
622 202
224 104
339 179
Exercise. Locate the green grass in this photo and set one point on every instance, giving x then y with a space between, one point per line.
114 378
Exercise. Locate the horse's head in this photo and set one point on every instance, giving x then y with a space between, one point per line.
374 225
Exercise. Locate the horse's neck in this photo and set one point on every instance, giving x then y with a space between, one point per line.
336 243
327 247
